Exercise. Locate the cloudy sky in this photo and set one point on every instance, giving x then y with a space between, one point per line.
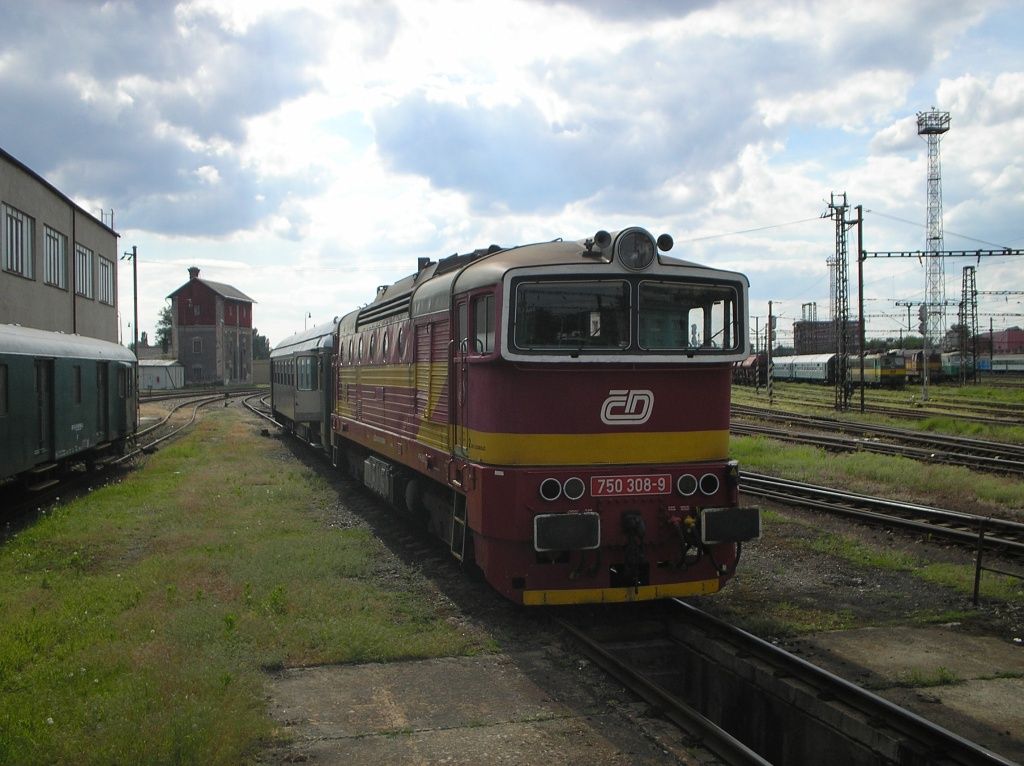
306 152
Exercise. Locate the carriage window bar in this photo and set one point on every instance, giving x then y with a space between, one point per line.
596 316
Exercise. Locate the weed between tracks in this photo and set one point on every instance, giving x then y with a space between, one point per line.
945 486
138 621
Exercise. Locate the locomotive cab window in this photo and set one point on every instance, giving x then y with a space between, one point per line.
686 316
578 316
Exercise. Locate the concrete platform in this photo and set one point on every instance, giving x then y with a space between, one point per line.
497 709
981 699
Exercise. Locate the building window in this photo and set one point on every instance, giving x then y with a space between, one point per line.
197 372
106 280
18 230
83 271
55 266
197 345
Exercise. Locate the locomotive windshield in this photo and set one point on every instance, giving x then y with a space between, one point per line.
625 316
681 316
572 315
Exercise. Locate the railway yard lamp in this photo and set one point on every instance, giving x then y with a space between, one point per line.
133 256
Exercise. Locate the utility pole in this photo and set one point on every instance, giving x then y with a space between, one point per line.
769 337
133 256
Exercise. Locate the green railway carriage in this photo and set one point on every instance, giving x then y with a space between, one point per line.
63 399
301 375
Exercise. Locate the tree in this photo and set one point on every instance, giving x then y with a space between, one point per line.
260 345
163 328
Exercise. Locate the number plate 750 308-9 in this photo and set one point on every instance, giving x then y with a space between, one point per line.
637 484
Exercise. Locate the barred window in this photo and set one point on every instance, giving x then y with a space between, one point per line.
17 233
83 271
55 266
106 280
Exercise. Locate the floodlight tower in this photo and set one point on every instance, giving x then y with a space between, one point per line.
932 125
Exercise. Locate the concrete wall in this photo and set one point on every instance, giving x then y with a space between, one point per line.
30 301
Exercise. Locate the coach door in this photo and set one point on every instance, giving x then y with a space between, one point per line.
44 408
102 401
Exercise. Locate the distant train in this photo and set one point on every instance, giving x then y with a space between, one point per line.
556 413
884 370
63 399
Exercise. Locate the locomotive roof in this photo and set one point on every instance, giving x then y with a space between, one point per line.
28 341
430 289
307 340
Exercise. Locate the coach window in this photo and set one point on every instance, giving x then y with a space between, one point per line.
483 324
76 384
3 390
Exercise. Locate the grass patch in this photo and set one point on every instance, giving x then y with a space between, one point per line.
958 577
787 619
949 486
138 620
922 679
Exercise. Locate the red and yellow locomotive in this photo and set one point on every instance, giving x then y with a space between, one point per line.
558 413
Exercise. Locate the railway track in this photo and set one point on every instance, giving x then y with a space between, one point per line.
1005 414
999 457
751 702
1001 535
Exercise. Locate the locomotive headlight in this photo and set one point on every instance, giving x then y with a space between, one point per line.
574 488
550 489
709 484
635 249
686 484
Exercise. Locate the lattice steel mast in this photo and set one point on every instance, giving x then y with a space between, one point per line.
969 324
841 300
932 125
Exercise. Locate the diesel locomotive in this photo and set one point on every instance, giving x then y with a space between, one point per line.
557 413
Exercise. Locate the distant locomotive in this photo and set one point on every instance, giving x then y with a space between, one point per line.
557 413
63 399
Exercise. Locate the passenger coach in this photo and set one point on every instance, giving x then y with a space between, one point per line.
63 398
302 389
557 413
